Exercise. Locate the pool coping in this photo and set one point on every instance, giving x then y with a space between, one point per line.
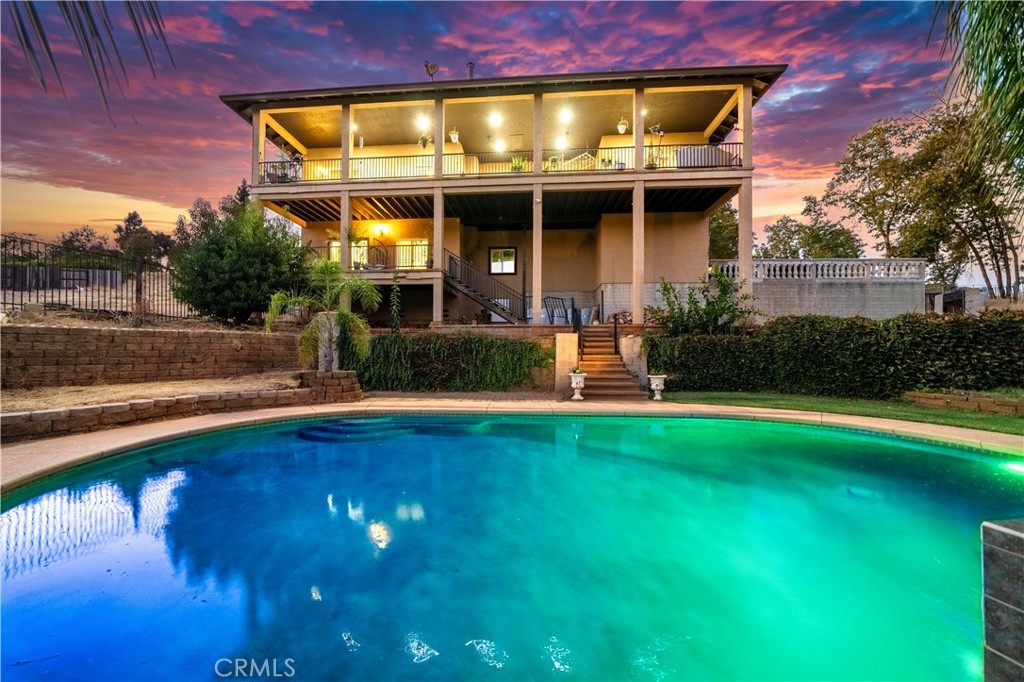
26 462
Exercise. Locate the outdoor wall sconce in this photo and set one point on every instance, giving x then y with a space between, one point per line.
623 126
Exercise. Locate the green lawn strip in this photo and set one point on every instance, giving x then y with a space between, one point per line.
888 409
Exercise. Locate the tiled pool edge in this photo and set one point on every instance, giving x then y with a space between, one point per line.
1003 570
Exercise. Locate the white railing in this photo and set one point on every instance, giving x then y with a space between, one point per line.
907 269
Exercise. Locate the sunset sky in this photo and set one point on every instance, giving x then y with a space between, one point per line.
64 164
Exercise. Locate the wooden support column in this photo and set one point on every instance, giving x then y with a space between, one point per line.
746 124
259 141
346 143
745 210
344 228
638 129
538 255
438 138
538 133
437 315
637 307
344 234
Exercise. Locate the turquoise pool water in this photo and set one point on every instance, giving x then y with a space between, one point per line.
506 548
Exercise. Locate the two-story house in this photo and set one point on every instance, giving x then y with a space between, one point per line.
507 193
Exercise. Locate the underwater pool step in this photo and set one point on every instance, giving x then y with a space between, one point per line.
351 432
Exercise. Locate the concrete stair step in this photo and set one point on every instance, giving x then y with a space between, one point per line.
617 395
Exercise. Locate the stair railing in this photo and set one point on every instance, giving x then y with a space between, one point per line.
488 287
576 316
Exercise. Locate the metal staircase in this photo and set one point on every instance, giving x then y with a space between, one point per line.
500 299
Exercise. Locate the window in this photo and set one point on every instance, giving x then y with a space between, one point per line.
412 253
502 260
334 250
359 247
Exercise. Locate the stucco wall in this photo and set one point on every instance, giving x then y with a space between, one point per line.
56 356
675 247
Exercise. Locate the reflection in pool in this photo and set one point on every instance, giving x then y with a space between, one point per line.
506 547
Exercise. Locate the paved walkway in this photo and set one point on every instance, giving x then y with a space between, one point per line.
25 462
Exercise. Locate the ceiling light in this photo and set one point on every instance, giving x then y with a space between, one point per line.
499 145
494 119
423 122
564 116
622 126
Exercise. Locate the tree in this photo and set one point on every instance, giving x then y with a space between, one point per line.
825 238
227 265
82 239
325 294
723 233
987 42
820 237
781 239
872 181
93 30
963 206
142 247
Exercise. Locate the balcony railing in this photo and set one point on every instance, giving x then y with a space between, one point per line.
381 257
575 160
911 269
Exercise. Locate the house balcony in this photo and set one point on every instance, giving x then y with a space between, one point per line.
383 258
586 160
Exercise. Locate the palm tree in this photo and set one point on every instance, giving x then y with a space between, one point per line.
329 289
92 28
987 43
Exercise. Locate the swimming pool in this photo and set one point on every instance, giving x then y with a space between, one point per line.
506 547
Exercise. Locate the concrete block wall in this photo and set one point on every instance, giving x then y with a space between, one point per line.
61 356
876 299
314 388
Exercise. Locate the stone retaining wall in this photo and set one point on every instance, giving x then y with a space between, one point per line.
32 356
968 402
314 388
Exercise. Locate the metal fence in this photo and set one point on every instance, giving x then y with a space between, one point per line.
40 273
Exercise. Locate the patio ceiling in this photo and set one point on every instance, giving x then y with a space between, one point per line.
386 114
500 211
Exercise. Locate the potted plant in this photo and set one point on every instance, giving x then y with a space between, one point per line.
656 379
576 379
518 164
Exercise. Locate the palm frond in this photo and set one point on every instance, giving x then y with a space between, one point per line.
986 42
309 339
93 29
358 331
279 302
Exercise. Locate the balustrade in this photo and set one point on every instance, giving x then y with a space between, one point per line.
830 269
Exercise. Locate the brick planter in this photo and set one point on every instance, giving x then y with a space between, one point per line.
967 402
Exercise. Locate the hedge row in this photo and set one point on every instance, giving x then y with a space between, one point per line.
849 357
443 362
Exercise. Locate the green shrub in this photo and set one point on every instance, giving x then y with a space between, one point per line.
228 264
443 362
714 306
849 357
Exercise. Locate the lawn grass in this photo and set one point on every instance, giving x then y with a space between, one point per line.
889 409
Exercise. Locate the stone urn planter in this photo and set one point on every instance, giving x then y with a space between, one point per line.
576 380
657 383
